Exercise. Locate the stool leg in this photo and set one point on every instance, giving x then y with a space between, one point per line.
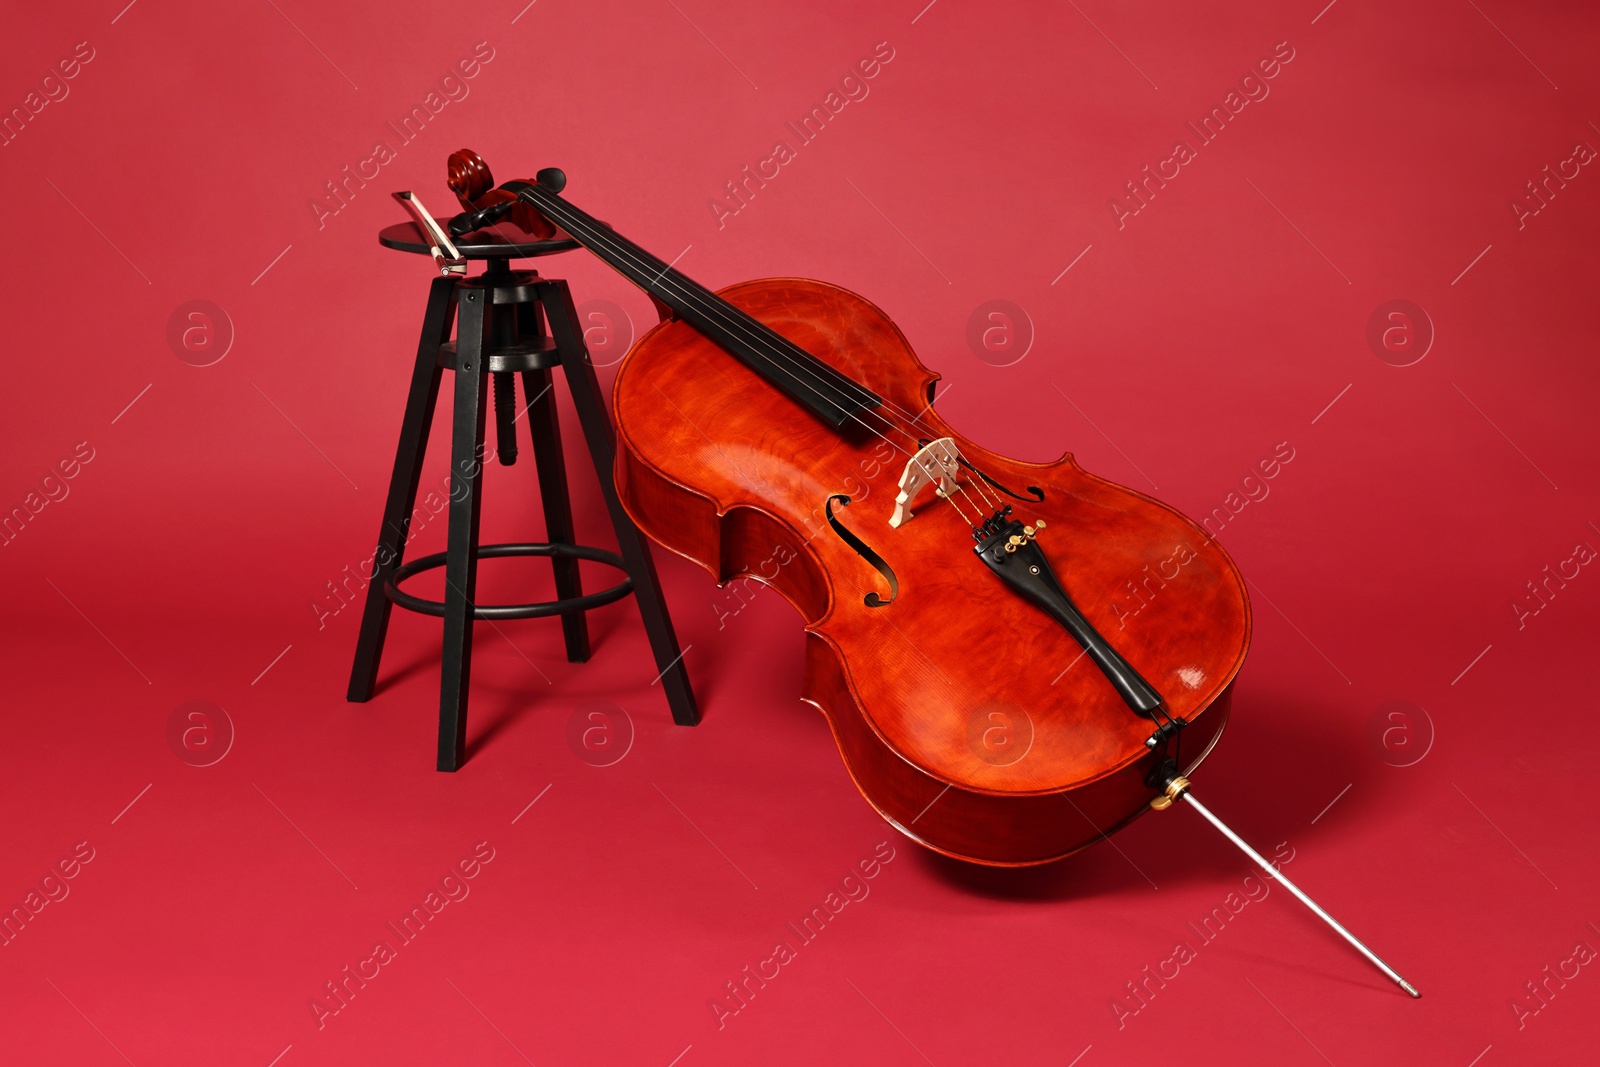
461 562
556 299
552 466
403 483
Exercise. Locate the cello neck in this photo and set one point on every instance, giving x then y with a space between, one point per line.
815 385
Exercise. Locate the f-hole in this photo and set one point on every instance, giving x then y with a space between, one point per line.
872 600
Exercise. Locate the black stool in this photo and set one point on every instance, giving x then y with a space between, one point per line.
511 322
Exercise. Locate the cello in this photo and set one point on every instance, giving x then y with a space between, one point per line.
967 635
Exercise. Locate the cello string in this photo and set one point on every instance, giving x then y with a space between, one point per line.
667 277
989 496
714 306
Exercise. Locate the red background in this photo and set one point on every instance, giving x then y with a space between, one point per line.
1221 320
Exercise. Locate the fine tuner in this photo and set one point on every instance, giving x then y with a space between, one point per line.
1016 541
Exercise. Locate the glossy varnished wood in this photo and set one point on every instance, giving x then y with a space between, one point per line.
717 465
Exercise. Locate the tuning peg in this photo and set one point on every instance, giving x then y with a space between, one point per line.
467 221
552 178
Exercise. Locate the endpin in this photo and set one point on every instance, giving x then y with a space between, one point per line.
1177 788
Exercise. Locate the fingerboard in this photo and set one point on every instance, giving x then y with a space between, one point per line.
830 395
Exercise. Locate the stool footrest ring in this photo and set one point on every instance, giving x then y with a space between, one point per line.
436 608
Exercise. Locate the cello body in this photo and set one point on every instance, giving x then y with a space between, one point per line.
967 717
945 642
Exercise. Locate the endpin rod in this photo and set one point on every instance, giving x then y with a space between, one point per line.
1261 862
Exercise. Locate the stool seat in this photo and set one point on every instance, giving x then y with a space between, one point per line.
501 242
518 356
